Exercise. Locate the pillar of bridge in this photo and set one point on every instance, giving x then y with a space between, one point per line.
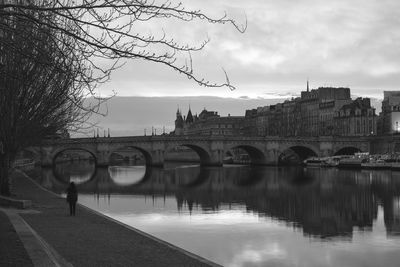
102 158
271 151
271 157
102 154
326 149
157 158
215 158
326 153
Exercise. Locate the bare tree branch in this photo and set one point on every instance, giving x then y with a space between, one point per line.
106 30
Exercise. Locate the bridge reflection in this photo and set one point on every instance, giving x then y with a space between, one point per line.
324 203
79 172
128 175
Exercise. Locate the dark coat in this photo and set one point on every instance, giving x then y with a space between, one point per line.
72 194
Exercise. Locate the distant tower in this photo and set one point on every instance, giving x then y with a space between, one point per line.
178 123
308 87
189 117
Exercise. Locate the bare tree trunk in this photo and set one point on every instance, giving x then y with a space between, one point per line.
4 175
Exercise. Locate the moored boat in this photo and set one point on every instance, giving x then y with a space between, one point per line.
354 161
333 161
228 160
316 162
351 162
395 166
376 164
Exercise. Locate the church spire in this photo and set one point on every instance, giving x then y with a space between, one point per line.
308 87
178 122
189 117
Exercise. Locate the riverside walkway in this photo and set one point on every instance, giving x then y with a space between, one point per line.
12 252
88 239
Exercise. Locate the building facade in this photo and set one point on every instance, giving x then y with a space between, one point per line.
250 122
325 111
390 115
356 119
208 123
311 114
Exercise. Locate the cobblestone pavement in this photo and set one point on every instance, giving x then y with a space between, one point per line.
12 251
89 239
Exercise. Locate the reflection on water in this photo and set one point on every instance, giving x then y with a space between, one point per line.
126 175
78 171
242 216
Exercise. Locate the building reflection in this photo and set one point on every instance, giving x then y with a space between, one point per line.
324 203
387 187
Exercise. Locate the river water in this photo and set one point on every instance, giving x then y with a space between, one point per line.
250 216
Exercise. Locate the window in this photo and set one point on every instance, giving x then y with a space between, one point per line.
364 126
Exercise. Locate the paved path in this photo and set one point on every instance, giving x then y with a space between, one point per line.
90 239
12 252
40 253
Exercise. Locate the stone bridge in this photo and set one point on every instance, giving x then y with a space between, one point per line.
211 149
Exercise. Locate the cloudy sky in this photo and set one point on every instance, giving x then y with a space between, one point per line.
354 43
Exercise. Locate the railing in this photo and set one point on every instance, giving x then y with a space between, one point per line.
160 138
23 162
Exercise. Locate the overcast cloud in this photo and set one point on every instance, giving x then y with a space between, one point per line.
354 43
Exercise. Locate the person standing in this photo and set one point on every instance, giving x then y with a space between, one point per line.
72 198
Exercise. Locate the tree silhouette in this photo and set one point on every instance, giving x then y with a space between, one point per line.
52 58
42 85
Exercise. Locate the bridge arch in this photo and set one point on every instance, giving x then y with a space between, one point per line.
146 154
347 150
256 155
203 153
56 153
296 154
85 175
84 179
